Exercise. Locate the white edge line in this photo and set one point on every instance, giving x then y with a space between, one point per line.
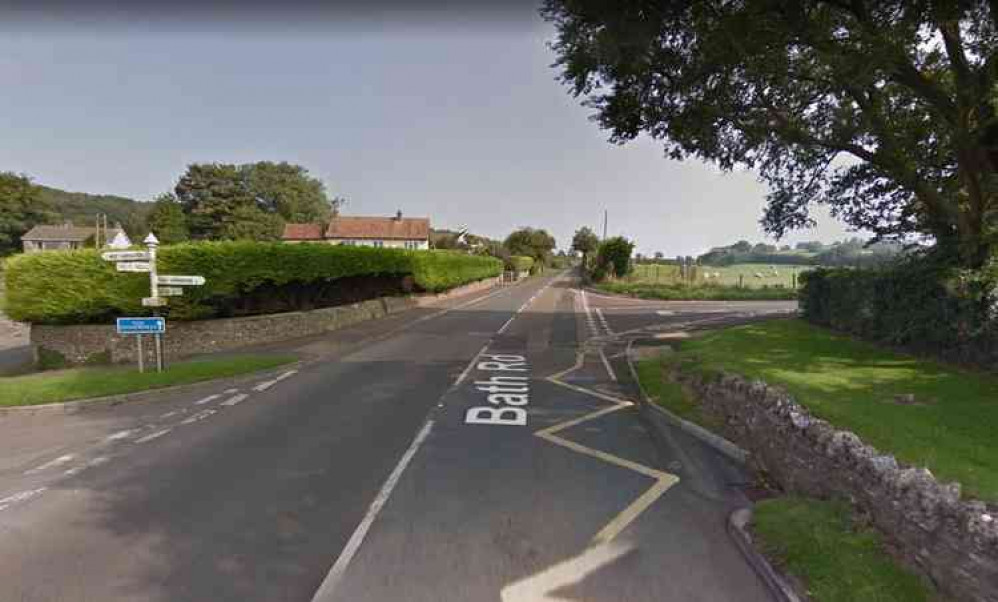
152 436
265 385
328 587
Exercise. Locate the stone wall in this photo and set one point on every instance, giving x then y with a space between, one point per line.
952 541
83 343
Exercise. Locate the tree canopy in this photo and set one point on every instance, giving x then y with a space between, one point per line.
21 208
167 220
585 241
530 242
249 201
885 112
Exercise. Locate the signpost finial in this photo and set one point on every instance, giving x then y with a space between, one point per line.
151 240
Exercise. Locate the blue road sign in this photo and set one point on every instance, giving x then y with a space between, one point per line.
141 325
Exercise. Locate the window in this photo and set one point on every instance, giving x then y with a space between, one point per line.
412 244
378 243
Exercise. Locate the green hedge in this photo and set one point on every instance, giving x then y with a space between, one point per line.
945 312
521 263
79 287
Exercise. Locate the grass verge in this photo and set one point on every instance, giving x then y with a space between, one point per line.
82 383
677 292
925 413
838 561
654 375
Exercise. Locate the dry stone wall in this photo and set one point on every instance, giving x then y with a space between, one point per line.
951 540
83 343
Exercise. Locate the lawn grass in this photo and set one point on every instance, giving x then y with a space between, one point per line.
80 383
817 542
854 385
702 292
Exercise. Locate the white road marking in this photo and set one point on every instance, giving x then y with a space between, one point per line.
119 435
602 319
326 590
91 464
210 398
152 436
234 400
539 587
287 374
168 414
467 369
22 496
199 416
265 385
506 325
230 391
606 364
51 464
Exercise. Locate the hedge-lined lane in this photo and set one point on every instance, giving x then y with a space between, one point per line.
77 287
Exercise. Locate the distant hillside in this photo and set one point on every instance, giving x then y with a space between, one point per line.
82 209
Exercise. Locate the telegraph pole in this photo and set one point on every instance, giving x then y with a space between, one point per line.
604 223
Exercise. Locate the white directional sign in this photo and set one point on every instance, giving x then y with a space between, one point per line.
126 256
170 291
153 302
180 280
133 266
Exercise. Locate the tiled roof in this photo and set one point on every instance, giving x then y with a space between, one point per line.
302 232
387 228
64 233
362 228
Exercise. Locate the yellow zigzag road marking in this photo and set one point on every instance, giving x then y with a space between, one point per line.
663 480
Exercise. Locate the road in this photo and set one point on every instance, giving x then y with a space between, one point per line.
483 450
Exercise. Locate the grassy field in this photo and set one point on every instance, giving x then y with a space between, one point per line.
854 385
733 275
702 292
837 561
80 383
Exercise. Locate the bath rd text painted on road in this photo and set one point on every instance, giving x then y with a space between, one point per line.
508 391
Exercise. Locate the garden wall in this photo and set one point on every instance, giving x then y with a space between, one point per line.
953 541
79 344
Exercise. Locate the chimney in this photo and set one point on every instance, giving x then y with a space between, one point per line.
398 216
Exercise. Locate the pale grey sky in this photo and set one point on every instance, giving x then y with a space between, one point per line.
458 121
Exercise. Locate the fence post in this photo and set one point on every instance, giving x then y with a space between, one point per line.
741 280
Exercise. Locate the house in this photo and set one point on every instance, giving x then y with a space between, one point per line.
68 236
390 232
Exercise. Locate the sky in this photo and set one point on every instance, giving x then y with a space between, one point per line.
453 115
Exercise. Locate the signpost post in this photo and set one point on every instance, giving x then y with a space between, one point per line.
145 262
141 326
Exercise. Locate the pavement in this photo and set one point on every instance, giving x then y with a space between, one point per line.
15 350
488 449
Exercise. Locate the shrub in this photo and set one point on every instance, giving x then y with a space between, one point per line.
613 257
944 311
79 287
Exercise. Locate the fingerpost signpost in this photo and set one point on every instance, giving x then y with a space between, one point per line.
145 261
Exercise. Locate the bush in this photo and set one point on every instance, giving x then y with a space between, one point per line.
943 311
613 257
79 287
520 263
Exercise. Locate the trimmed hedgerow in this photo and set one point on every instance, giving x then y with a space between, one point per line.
436 271
945 312
77 287
521 263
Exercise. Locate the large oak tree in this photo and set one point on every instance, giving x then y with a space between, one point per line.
883 111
